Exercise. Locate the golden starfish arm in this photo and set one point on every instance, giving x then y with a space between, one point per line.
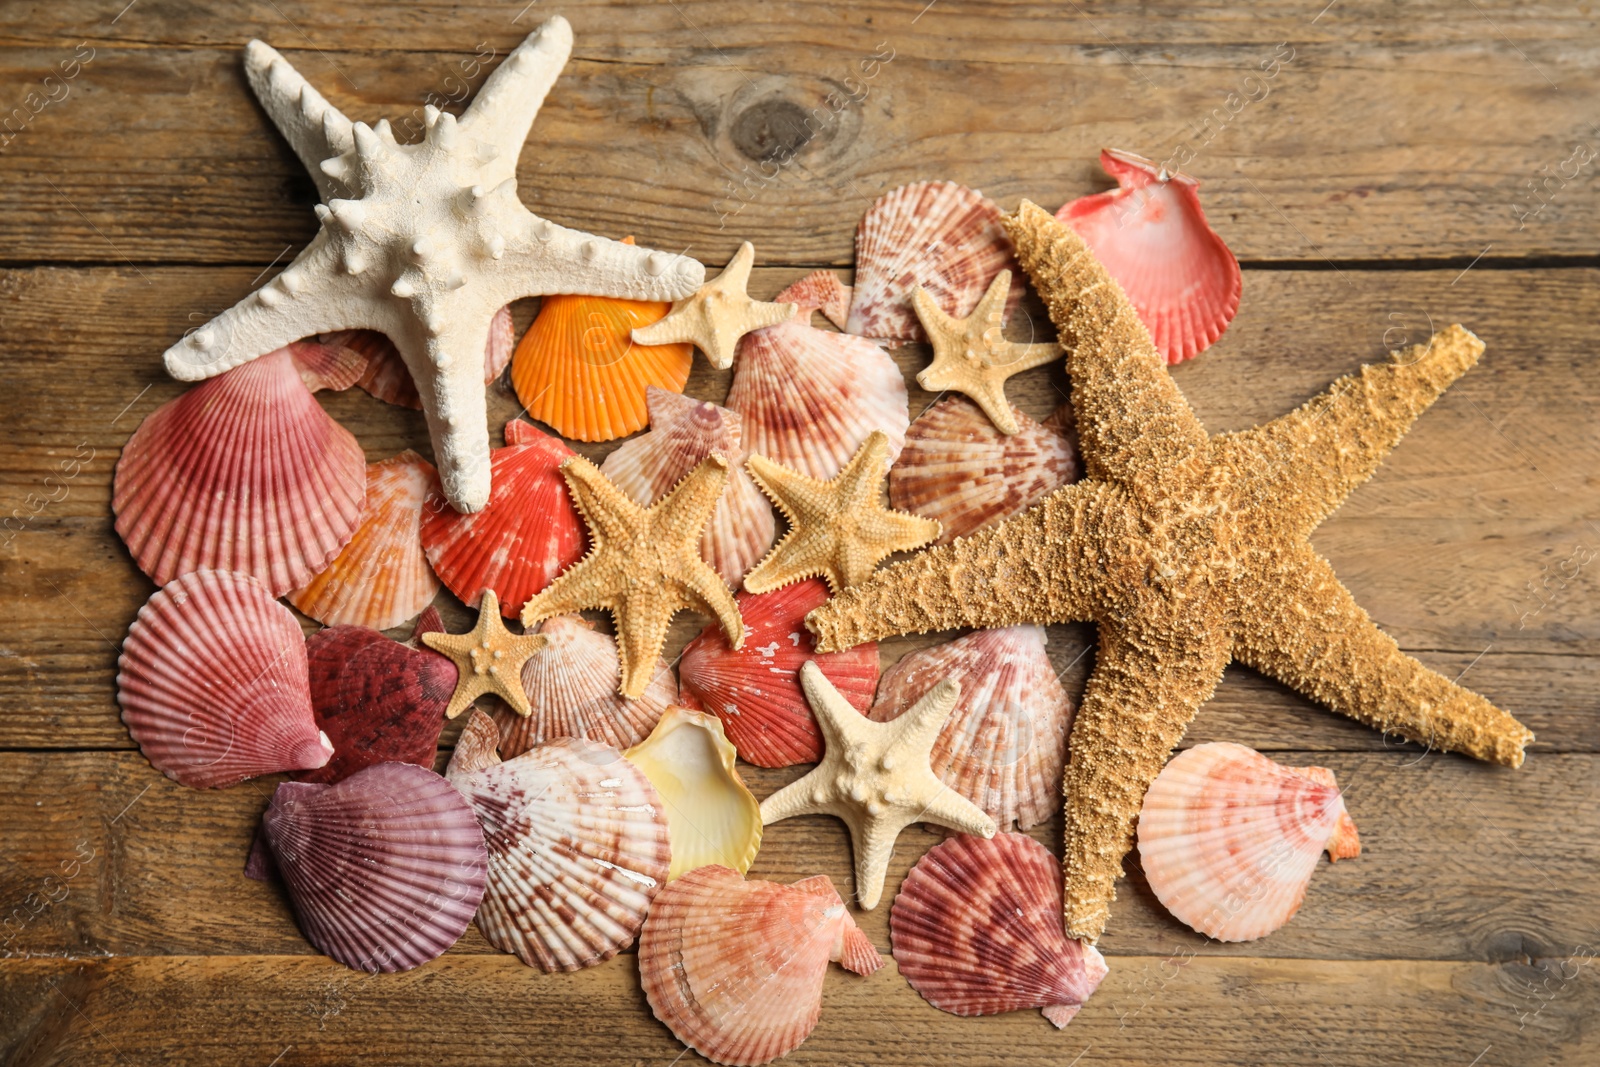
873 846
712 596
1135 709
1041 566
1305 463
612 518
1026 357
1133 420
682 514
1305 629
589 583
641 634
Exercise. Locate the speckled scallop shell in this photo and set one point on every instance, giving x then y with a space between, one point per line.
1229 839
383 372
1153 238
810 397
822 291
213 686
976 930
528 533
1005 743
683 431
735 968
384 868
378 700
244 472
756 690
939 235
577 842
579 369
572 688
381 578
711 816
957 468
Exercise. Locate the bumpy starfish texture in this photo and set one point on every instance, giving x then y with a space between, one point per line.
643 566
839 529
972 356
718 314
1188 551
488 659
425 242
876 776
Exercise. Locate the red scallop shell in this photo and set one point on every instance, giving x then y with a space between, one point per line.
976 929
756 690
735 968
213 683
384 869
1153 238
244 472
528 533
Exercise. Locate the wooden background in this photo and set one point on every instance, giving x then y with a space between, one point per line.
1381 185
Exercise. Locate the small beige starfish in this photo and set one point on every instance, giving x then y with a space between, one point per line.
876 776
838 529
644 565
972 356
718 313
488 659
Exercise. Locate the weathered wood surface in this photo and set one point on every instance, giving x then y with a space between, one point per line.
153 193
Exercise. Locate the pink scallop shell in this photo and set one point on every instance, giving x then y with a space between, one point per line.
756 690
213 686
244 472
577 846
381 578
322 366
957 468
976 930
1004 745
808 398
1229 839
1153 238
683 431
383 372
939 235
572 687
735 968
528 533
821 291
384 868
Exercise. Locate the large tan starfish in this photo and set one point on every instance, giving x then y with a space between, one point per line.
488 659
1187 551
972 355
643 566
717 314
838 529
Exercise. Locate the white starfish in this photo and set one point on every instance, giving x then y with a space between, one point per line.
425 243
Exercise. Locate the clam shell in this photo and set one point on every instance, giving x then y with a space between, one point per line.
711 816
1153 238
578 368
683 431
378 701
383 372
939 235
821 291
572 688
808 398
735 968
1005 743
384 868
957 468
528 533
244 472
976 930
756 690
213 686
381 578
577 847
1229 839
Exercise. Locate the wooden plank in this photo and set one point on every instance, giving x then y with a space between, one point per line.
467 1010
666 122
1488 494
1459 861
